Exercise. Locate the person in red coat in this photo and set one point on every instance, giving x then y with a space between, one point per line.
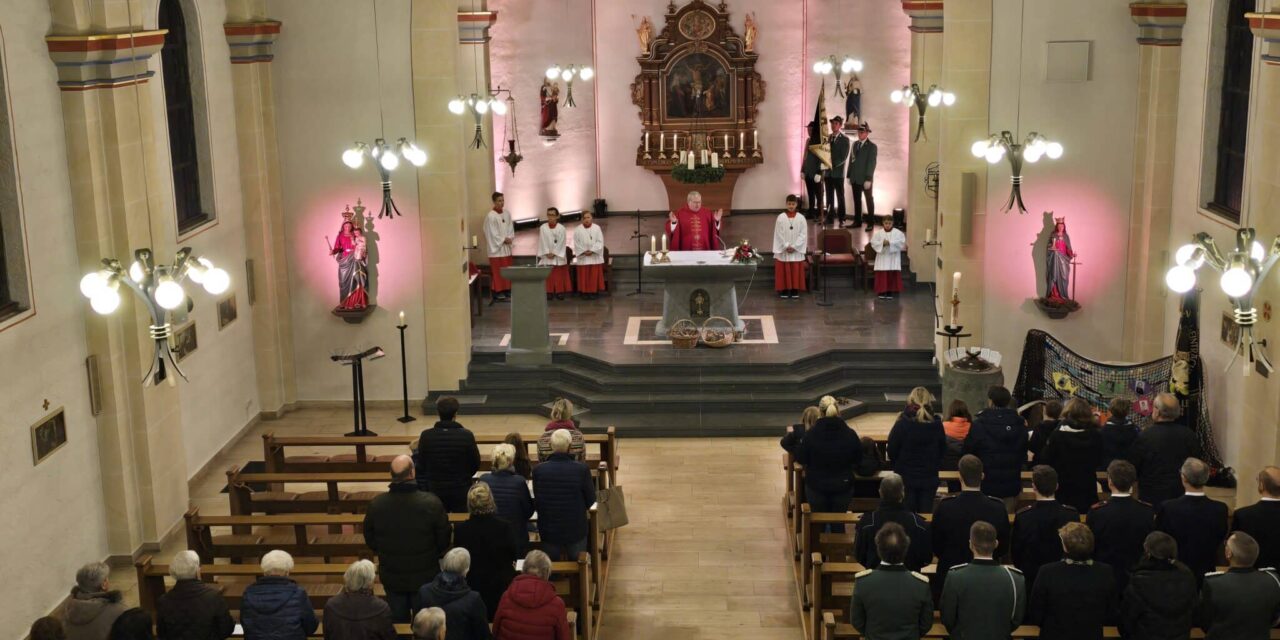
693 228
530 609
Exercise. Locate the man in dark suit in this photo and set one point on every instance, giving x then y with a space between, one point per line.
1159 451
1262 520
811 169
839 169
891 509
1035 528
1074 598
1198 523
891 602
862 171
1242 603
999 438
1121 523
983 599
409 531
955 515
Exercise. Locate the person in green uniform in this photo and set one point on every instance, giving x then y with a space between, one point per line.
891 602
983 600
1243 602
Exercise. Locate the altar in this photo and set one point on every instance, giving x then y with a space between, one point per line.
697 285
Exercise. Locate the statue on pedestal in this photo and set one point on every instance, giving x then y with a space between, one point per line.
351 250
645 34
550 97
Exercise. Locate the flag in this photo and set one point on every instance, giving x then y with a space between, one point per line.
817 142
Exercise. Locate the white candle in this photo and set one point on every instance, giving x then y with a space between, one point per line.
715 159
401 317
755 139
955 297
741 138
928 235
664 243
675 141
704 156
646 142
474 243
653 244
726 142
690 160
662 141
955 281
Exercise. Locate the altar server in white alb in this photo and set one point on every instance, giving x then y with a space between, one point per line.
551 253
588 249
500 236
888 244
790 240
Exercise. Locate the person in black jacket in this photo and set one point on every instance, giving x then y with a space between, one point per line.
891 509
795 433
357 614
447 458
917 445
999 438
1074 598
829 452
1161 595
954 518
1262 520
464 610
192 609
490 540
511 495
866 476
563 492
1074 451
275 607
1242 603
1041 432
1035 538
1198 523
1118 434
1160 450
409 531
134 624
1121 523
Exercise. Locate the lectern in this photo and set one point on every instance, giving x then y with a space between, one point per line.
530 338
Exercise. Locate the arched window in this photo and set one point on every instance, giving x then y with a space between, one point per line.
1233 115
184 151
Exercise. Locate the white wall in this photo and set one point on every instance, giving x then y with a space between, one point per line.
1090 185
327 94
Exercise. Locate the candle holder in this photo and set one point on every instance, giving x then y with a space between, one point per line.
663 257
742 153
952 332
404 377
755 153
646 155
662 155
932 243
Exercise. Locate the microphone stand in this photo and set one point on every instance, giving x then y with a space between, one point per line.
822 275
639 238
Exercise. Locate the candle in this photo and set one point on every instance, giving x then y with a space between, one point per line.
928 235
653 244
704 156
755 139
401 317
689 160
662 141
955 281
474 243
646 142
715 159
675 141
741 137
955 297
664 243
726 142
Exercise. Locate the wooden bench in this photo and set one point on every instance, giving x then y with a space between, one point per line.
832 630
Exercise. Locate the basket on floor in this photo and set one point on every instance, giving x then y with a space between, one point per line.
684 334
717 332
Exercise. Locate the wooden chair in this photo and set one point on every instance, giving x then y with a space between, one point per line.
835 251
869 263
608 271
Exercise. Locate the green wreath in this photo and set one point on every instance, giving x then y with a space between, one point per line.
702 174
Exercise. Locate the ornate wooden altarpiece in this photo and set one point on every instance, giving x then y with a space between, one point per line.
698 89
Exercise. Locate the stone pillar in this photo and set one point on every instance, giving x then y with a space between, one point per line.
473 68
1155 135
926 63
442 193
119 196
250 39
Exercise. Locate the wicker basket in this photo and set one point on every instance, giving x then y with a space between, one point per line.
717 332
684 334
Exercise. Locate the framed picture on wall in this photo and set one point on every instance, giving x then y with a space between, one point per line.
227 312
184 341
1230 331
48 436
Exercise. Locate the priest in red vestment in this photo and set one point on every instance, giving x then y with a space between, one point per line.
693 228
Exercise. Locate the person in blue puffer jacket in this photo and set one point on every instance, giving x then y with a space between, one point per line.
999 439
275 607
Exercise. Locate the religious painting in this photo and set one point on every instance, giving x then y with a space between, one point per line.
48 436
697 25
699 86
227 312
183 341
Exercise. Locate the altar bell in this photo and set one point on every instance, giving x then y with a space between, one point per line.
790 240
551 253
588 248
888 244
500 235
693 228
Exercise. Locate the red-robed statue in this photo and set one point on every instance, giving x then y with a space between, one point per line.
693 228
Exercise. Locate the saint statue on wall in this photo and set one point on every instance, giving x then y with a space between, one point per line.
749 33
1058 260
550 97
645 34
351 250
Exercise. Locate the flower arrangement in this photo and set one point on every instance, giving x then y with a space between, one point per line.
745 254
701 174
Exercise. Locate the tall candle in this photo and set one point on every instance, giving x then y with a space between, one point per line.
675 141
726 142
955 297
704 156
474 242
690 160
715 159
928 235
741 137
662 141
402 317
955 281
646 142
664 243
755 139
653 244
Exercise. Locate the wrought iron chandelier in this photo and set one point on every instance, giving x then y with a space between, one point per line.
1002 145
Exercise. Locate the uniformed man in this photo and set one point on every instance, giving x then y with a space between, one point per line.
836 174
955 515
1074 598
1198 523
1242 603
891 602
891 509
1035 528
1120 524
982 599
1262 520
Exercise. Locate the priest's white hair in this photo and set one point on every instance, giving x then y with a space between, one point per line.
694 194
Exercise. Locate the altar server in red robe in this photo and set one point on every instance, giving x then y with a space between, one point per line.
499 235
790 240
888 244
693 228
588 249
551 253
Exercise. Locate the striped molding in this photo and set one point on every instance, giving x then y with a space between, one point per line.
1159 23
88 62
1267 27
251 42
926 15
473 26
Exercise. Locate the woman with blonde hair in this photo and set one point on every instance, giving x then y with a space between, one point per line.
917 444
830 451
795 433
562 418
492 542
510 493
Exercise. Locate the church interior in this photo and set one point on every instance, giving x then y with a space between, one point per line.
780 283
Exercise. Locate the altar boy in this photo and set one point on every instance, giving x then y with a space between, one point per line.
588 248
551 253
790 239
888 244
500 236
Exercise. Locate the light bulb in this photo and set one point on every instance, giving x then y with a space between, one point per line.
566 75
994 154
1031 154
1180 279
135 272
828 67
1189 255
1257 252
482 107
217 280
847 65
979 149
92 283
498 107
456 106
935 98
1236 282
195 272
353 158
817 67
389 161
169 294
415 155
553 72
586 73
105 300
896 96
948 98
1053 150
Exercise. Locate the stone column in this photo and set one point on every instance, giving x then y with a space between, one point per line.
473 68
442 192
926 64
119 196
1155 134
250 38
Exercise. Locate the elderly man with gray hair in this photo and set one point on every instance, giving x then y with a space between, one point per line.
93 606
1196 522
275 607
463 608
530 608
563 492
357 614
1159 451
429 624
192 609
